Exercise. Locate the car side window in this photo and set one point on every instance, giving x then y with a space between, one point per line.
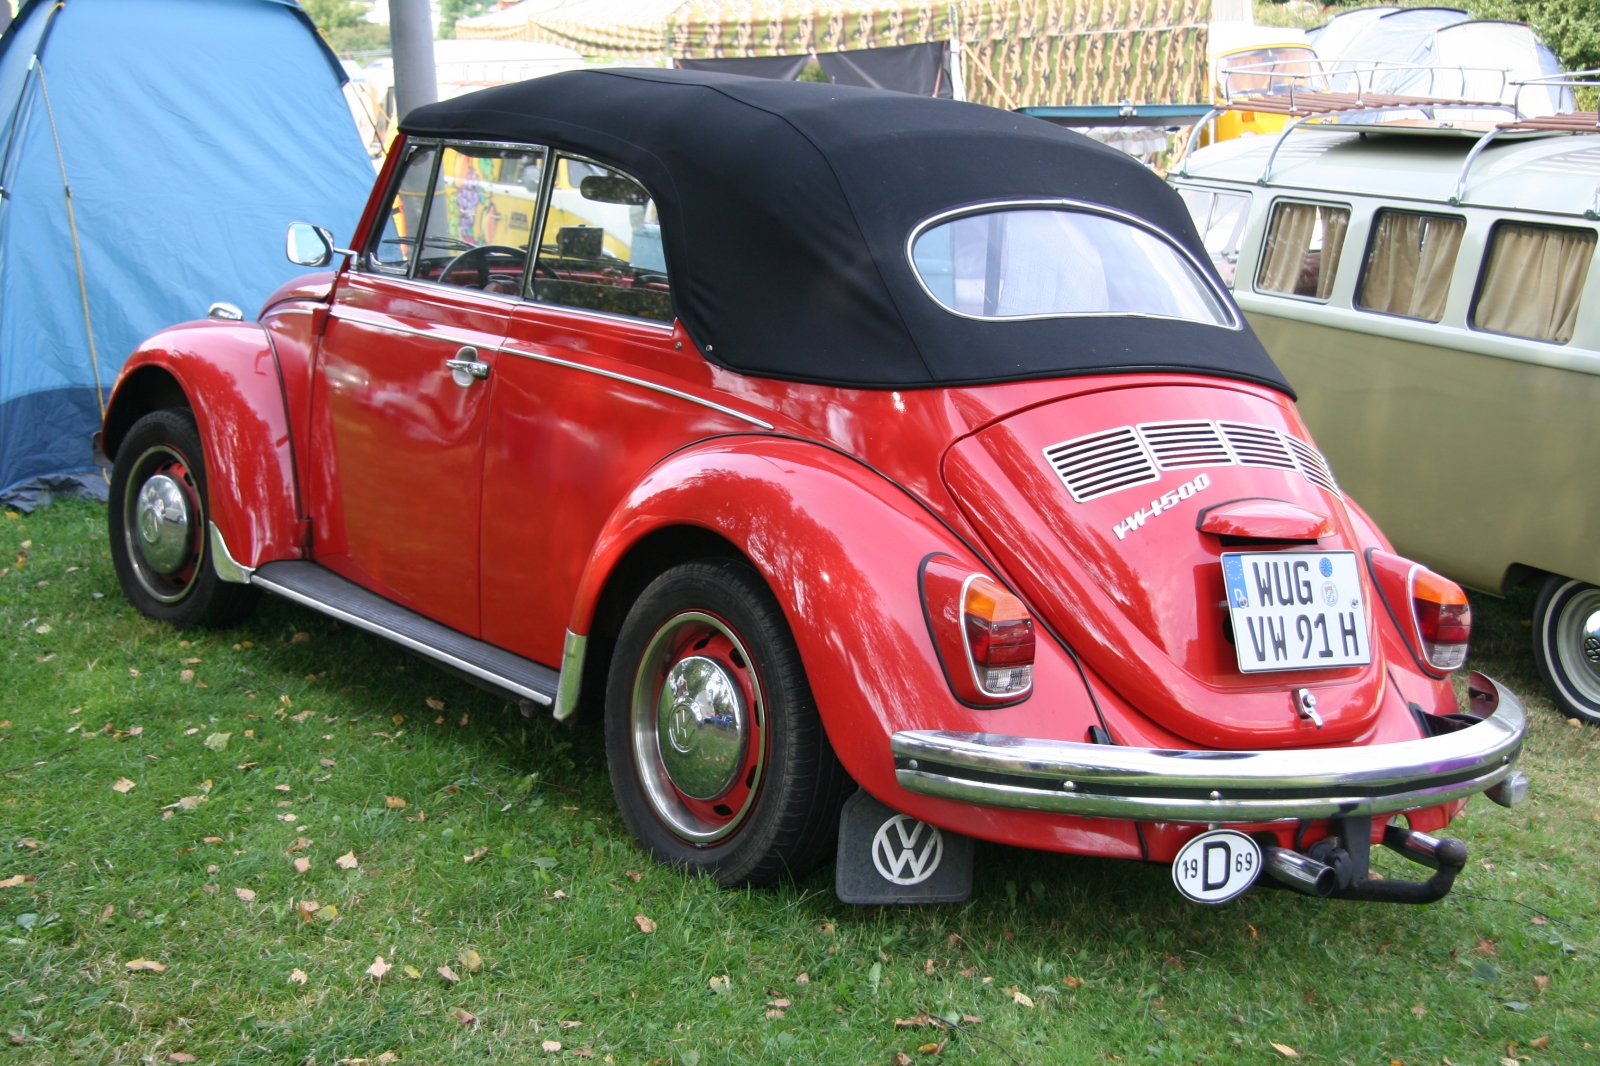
1220 218
391 252
1301 257
1410 260
1532 281
601 245
480 218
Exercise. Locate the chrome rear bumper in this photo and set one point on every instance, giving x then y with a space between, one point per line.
1157 785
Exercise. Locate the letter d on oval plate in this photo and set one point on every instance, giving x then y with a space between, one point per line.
1214 867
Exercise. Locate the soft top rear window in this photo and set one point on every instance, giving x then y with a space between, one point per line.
1046 261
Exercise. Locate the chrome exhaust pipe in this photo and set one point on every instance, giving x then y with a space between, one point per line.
1301 873
1436 853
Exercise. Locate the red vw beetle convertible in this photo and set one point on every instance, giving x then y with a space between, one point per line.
888 473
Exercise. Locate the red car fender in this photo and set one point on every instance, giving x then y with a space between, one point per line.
228 372
840 547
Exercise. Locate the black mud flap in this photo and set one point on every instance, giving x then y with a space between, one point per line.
887 857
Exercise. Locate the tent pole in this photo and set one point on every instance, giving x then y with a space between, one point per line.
77 253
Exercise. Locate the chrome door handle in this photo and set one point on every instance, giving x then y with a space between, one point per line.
466 367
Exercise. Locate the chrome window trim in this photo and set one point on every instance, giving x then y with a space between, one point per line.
1223 297
1204 786
344 314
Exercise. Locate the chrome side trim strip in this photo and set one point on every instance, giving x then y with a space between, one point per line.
451 338
552 360
222 561
401 639
567 688
1151 784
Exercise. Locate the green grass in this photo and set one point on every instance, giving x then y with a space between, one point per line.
119 879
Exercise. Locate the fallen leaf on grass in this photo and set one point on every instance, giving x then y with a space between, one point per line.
297 976
921 1021
181 1056
248 765
570 1025
123 785
901 1059
780 1002
1419 1010
187 803
302 864
1021 999
633 875
558 894
300 844
329 763
1539 1043
413 973
931 1049
463 721
477 853
29 842
1541 982
300 638
434 703
1072 982
1516 1005
802 979
394 802
185 676
470 959
721 984
1485 947
972 1019
245 895
464 1017
448 974
302 716
347 861
1507 1061
209 889
1539 919
773 1014
27 879
378 968
583 1053
284 817
1285 1050
144 966
550 1046
308 909
647 925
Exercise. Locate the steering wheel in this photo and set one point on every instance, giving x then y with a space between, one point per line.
479 257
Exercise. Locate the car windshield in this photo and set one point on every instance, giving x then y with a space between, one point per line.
1055 262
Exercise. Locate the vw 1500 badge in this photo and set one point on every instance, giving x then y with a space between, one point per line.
1214 867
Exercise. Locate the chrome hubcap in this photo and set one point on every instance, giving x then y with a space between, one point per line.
161 523
697 725
1577 641
700 727
161 516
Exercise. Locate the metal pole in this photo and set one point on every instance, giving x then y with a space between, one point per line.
411 38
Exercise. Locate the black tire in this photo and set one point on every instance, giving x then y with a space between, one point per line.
1566 647
167 444
783 798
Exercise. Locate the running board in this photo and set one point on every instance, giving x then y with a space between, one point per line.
322 590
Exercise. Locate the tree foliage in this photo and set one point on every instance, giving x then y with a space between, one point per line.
450 10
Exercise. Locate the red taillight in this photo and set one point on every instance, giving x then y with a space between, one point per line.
982 632
999 632
1444 618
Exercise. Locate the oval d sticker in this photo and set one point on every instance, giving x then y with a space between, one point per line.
1214 867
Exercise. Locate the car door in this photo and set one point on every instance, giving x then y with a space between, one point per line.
406 367
595 383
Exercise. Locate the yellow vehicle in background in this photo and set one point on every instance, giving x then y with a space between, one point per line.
1239 56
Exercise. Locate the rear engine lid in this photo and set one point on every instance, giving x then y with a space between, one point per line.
1111 511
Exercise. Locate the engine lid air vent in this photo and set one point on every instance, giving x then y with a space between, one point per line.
1096 464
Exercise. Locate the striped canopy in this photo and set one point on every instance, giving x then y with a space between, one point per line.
1015 52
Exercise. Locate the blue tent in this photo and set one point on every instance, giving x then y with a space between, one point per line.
190 133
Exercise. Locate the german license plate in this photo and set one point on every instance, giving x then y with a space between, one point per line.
1296 610
1214 867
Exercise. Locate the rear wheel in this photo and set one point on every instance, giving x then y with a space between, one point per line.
159 528
1566 645
718 758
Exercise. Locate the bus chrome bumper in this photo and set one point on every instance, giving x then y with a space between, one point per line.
1159 785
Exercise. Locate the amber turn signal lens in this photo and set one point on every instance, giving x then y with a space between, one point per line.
999 632
1444 618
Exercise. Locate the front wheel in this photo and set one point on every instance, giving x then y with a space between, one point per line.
159 529
718 758
1566 645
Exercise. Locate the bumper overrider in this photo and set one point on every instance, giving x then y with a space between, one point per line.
1348 785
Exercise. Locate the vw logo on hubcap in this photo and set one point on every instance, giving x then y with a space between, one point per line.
161 515
702 727
907 851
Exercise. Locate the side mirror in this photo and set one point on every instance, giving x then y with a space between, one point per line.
309 246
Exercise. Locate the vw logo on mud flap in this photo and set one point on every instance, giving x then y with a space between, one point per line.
907 851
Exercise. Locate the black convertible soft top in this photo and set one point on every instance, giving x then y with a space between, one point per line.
786 207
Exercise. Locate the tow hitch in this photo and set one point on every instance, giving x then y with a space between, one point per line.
1338 866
